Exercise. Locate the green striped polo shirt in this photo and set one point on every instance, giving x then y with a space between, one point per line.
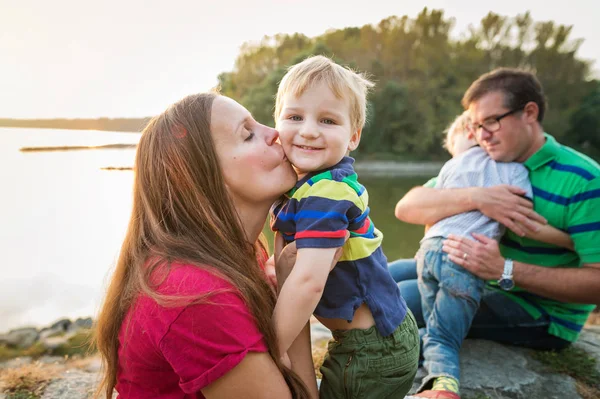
566 191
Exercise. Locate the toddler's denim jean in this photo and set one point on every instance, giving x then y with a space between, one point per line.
450 297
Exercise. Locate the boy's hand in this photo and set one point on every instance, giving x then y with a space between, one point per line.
505 204
285 257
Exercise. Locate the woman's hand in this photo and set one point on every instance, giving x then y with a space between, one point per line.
271 273
285 257
480 256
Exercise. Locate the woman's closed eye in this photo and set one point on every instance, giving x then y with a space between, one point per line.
250 135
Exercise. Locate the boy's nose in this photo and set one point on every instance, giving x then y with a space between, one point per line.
309 130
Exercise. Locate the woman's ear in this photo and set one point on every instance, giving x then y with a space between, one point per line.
354 140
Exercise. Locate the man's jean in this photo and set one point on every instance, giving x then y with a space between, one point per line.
498 318
450 297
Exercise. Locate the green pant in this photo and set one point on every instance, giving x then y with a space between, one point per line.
364 364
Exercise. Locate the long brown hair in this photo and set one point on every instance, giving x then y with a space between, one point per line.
182 211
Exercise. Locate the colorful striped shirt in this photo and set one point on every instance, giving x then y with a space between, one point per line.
566 189
320 209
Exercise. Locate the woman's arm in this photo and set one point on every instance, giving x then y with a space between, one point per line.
242 381
300 354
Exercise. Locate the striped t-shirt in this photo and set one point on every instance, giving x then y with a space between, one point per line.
321 208
566 191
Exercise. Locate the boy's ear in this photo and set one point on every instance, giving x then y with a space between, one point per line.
354 140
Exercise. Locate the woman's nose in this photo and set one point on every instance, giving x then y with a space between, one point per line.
271 135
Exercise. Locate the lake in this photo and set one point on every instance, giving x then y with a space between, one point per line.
63 219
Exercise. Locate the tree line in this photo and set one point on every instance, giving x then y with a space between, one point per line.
421 72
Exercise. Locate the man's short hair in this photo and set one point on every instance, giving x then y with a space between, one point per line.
519 88
343 82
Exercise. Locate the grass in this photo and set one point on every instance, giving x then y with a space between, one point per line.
318 353
594 318
576 363
26 382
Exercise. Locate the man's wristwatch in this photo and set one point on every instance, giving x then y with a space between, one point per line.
506 281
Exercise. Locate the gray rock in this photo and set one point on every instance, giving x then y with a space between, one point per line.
51 332
20 338
318 332
62 324
16 362
73 384
51 360
54 342
84 323
507 372
589 341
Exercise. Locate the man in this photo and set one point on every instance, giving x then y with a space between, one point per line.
539 296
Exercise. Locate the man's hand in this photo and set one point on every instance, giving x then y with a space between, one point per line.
481 257
285 257
506 205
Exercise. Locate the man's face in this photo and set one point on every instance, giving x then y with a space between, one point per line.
513 141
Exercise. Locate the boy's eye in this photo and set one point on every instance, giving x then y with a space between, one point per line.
295 118
329 121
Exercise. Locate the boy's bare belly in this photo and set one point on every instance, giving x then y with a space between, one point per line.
363 319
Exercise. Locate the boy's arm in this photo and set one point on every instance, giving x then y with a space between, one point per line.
551 235
301 293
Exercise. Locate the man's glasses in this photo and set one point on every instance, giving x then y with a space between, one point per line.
492 125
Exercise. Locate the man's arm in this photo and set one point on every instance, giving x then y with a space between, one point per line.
503 203
575 285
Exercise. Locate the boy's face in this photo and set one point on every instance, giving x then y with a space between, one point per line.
459 143
315 129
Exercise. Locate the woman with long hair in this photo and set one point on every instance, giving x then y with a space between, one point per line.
188 309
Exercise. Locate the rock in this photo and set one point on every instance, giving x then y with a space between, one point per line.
62 324
589 341
55 342
74 384
51 360
16 362
20 338
51 332
86 323
506 372
318 332
94 366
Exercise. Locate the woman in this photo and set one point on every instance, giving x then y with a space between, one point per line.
188 310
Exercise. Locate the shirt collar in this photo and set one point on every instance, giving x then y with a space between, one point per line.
344 164
547 153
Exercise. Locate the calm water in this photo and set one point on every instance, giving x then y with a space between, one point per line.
63 219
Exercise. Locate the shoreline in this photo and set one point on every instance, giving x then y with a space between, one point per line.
369 168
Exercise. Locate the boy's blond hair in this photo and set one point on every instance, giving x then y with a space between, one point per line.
343 82
461 125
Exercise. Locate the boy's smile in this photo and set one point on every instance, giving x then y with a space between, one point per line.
315 129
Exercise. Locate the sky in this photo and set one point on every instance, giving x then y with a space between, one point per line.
132 58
